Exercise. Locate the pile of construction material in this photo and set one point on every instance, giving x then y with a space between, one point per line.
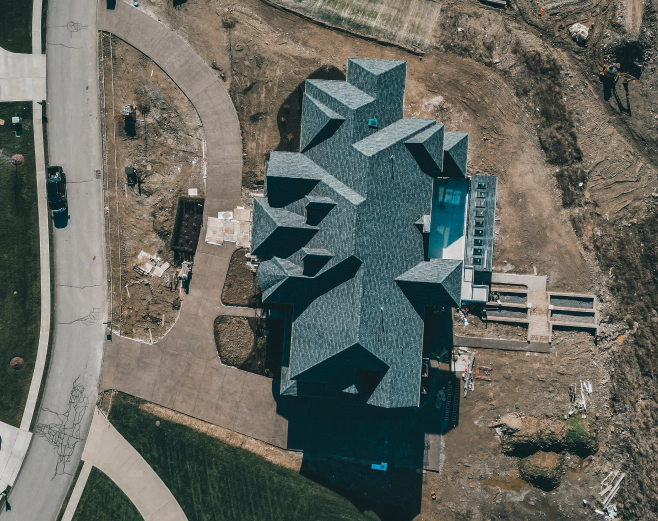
148 264
232 226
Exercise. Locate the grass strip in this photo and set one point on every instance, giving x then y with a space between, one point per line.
20 293
215 481
103 500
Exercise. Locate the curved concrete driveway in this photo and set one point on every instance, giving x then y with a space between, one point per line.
201 86
107 450
182 371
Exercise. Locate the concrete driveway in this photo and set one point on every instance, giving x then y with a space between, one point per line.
183 371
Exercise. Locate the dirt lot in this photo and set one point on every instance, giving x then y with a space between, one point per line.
166 151
539 118
477 480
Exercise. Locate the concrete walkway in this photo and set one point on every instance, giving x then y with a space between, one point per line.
79 488
44 254
183 371
23 76
12 453
539 328
107 450
203 88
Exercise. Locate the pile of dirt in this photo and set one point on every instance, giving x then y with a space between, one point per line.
541 442
234 339
525 435
542 469
241 284
163 142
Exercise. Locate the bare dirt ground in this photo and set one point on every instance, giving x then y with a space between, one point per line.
241 284
265 54
478 481
234 337
540 119
166 150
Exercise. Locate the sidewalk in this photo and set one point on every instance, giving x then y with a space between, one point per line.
22 76
12 453
107 450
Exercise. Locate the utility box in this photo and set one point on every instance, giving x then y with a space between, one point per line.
17 124
131 175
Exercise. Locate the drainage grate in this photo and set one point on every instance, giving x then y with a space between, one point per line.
98 174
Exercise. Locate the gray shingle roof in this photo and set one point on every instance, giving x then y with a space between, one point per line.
322 121
394 133
338 239
455 145
343 92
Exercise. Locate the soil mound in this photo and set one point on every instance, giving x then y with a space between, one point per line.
542 469
523 436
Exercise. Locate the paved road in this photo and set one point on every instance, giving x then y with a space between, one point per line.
71 385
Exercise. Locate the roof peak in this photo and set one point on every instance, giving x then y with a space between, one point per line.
376 66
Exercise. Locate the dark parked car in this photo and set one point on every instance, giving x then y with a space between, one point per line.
56 190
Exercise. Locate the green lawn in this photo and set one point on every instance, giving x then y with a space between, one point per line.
102 500
213 481
16 25
20 298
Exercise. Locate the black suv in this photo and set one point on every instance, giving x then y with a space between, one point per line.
56 189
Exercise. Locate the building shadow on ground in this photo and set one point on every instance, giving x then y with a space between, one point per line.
289 117
341 441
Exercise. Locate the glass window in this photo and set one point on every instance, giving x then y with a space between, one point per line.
479 232
477 251
479 213
482 186
479 204
477 261
479 224
478 242
482 194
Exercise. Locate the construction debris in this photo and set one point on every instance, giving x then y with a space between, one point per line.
487 370
232 226
148 264
611 489
579 33
468 377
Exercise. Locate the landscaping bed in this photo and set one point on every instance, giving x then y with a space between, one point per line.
241 284
250 344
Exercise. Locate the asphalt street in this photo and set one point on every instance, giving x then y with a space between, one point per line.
80 288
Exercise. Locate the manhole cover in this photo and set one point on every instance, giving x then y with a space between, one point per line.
16 363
